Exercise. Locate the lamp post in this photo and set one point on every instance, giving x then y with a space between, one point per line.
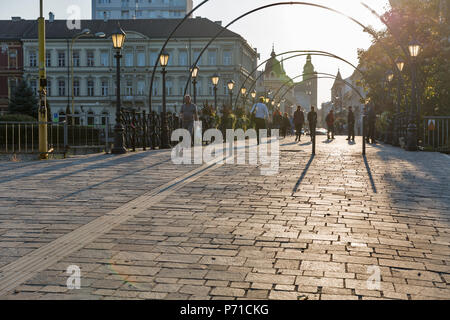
215 82
118 39
164 60
400 63
194 74
414 49
389 78
84 32
230 85
243 94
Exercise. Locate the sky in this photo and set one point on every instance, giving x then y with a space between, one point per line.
287 27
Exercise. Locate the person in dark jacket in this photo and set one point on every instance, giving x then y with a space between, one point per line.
372 118
330 124
299 120
312 121
285 124
351 124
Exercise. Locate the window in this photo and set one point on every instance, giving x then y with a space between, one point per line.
90 118
129 88
76 118
199 87
153 57
61 59
90 58
33 85
105 88
141 59
76 88
125 14
62 116
49 87
104 59
212 57
33 58
129 59
140 87
138 13
196 55
104 118
90 88
227 58
210 88
155 88
169 87
182 82
61 88
12 59
76 58
183 58
48 59
12 86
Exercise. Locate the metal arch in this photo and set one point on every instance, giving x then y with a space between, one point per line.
324 77
366 29
311 52
164 46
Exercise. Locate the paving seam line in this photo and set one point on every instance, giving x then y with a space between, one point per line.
24 268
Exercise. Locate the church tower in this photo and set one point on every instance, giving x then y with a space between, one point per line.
310 80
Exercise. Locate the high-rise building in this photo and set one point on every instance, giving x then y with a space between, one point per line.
140 9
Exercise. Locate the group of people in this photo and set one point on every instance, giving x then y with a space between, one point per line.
260 113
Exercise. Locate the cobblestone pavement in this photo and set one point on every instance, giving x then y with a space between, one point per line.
317 230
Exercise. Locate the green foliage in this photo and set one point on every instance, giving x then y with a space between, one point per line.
23 101
17 117
419 20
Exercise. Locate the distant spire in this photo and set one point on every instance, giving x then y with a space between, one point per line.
273 50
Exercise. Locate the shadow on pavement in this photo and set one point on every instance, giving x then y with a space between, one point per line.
369 172
305 171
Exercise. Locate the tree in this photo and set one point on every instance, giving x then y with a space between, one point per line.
23 101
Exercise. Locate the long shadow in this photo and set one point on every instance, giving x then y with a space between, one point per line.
306 143
288 144
305 171
369 172
327 141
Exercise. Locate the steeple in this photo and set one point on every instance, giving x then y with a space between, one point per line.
273 55
308 69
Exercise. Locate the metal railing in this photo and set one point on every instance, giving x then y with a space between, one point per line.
436 133
23 137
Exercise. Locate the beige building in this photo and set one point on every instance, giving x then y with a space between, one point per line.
94 65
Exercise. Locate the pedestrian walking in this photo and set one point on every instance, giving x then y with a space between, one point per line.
312 121
188 115
277 119
351 124
285 125
261 113
299 121
330 124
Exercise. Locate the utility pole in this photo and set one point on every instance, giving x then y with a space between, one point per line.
42 113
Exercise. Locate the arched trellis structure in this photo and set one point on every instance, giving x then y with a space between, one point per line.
323 76
303 52
269 6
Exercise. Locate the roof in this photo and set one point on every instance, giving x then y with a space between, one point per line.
152 28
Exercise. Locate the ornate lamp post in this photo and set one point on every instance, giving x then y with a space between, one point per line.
164 60
194 74
215 82
389 78
118 39
414 50
230 85
243 94
400 63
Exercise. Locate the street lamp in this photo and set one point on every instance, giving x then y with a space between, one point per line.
164 60
243 94
118 39
400 64
194 74
230 85
253 94
389 76
215 82
414 50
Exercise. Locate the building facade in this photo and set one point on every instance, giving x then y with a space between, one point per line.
140 9
94 66
11 58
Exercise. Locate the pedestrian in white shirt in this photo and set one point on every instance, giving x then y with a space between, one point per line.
261 113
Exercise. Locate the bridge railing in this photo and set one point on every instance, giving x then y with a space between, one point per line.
436 133
23 137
